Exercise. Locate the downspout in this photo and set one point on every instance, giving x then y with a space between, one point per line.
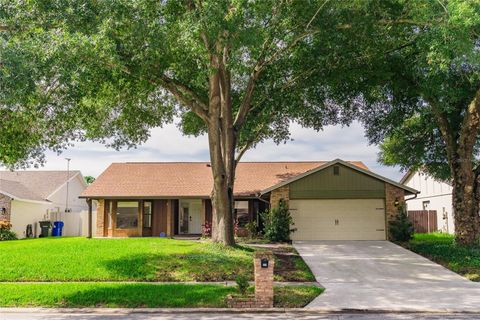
414 197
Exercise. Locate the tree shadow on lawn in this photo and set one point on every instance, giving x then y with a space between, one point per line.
145 295
202 267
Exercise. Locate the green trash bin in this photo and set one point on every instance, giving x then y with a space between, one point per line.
45 228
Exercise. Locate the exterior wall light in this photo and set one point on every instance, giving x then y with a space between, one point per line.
396 202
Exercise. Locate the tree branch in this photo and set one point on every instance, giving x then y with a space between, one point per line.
445 130
470 127
259 66
186 96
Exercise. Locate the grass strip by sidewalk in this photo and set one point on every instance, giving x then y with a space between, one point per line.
137 295
441 248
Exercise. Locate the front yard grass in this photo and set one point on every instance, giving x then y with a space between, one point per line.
289 266
138 295
137 259
441 248
134 259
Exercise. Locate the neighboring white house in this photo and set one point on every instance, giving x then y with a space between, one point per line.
434 195
27 197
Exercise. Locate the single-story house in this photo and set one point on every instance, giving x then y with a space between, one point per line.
434 195
27 197
336 200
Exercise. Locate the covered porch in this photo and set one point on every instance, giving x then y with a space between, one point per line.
166 217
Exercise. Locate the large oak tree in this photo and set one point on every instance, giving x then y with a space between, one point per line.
425 110
239 71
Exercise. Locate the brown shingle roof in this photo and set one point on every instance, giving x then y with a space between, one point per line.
190 179
32 185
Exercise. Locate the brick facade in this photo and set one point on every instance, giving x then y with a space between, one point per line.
5 202
100 218
392 194
279 194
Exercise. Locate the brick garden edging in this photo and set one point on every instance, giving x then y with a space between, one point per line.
263 297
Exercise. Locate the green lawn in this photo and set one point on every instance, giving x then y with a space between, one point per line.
295 297
137 295
289 266
134 259
441 248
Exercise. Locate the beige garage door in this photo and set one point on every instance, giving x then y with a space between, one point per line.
351 219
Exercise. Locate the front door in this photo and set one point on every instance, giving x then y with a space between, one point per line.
190 216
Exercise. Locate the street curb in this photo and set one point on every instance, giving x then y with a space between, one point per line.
126 311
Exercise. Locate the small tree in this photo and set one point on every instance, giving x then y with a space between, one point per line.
242 284
401 229
89 179
277 223
6 233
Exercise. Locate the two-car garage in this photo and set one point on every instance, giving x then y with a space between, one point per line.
340 201
334 219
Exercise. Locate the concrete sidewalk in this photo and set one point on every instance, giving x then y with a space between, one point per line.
379 275
210 314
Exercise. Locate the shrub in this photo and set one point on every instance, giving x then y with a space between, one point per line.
252 229
277 223
242 284
235 228
207 230
401 229
6 233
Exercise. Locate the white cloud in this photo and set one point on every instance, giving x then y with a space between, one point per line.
168 144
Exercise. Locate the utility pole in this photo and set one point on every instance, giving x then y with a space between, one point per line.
68 181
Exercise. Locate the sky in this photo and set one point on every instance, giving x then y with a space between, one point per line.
168 144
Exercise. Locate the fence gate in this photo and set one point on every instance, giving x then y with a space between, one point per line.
424 221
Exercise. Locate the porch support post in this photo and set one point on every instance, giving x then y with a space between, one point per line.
170 205
140 218
89 202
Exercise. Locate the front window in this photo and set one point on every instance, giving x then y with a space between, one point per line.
127 214
147 214
241 213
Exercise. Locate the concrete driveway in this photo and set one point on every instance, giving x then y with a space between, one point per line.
379 275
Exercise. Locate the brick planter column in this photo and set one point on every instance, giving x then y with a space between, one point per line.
264 280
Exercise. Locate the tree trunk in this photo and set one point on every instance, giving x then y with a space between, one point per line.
222 144
460 148
465 204
222 194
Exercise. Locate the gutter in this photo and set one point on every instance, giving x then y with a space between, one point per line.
414 197
257 196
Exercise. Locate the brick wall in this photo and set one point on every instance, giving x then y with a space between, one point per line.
263 285
278 194
392 193
100 218
264 280
5 202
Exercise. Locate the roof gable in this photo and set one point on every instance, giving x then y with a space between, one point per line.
335 182
344 163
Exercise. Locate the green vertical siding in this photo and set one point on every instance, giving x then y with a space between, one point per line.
348 184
